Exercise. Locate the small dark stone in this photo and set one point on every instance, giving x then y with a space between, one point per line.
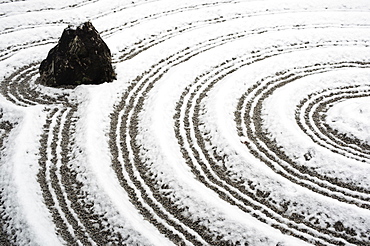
80 57
338 226
307 156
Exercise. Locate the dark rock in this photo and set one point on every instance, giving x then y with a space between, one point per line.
80 57
307 156
338 226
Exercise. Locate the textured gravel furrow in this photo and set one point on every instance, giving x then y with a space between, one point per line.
60 21
6 52
69 206
154 39
133 129
61 227
165 14
78 211
231 122
145 44
131 190
7 89
196 102
59 190
133 166
327 136
351 196
10 50
69 6
354 143
212 181
63 183
173 60
21 88
4 237
126 115
99 232
5 129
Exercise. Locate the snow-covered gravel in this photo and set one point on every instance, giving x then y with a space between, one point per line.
231 122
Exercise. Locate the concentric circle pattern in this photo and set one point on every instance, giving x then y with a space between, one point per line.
232 122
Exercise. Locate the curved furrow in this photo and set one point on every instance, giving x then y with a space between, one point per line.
64 194
144 44
154 39
95 224
154 16
178 29
189 121
132 136
6 52
131 171
60 21
110 31
21 88
62 228
353 194
126 183
238 113
319 105
230 123
351 142
9 92
71 198
122 106
262 133
258 136
5 237
72 212
61 192
35 7
130 103
10 50
68 200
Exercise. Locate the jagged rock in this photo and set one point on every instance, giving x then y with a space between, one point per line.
80 57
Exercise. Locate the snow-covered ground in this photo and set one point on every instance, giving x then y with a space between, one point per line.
232 122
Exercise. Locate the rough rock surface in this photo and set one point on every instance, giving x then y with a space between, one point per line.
80 57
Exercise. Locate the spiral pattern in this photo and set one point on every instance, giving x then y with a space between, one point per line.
232 122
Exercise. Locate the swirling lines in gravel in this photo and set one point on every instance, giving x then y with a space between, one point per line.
317 105
223 128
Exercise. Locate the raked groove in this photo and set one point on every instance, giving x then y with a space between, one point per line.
221 129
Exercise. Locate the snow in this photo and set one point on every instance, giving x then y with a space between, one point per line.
230 122
351 117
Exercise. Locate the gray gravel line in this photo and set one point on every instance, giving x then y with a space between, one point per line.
181 56
61 227
200 142
214 183
25 93
359 150
5 238
256 120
